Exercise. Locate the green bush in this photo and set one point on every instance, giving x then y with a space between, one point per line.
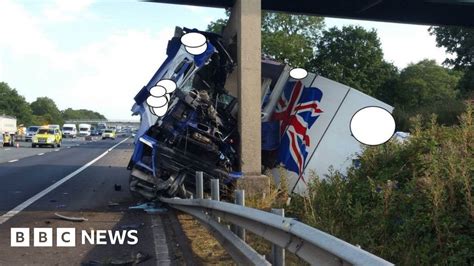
409 203
447 113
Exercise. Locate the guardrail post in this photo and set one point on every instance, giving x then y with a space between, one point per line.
215 194
199 185
278 253
240 200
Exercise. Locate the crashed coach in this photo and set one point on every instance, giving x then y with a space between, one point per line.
189 122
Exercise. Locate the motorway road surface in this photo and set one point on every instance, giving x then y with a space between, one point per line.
36 183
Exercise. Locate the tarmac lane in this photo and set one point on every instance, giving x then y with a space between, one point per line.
24 149
89 181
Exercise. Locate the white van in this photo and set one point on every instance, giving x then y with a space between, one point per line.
69 130
84 129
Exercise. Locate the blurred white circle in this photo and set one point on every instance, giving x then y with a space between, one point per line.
168 84
160 111
193 39
298 73
158 91
372 125
196 50
157 101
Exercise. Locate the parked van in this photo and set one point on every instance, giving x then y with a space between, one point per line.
84 129
69 130
31 132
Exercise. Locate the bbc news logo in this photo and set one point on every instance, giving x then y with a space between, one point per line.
66 237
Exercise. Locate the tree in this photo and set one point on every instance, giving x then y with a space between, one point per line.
46 108
11 103
353 56
217 26
458 41
81 114
426 83
425 88
286 38
290 38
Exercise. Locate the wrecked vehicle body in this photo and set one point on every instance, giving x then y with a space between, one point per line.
196 133
306 120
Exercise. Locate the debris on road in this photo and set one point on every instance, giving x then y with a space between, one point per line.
70 218
132 226
134 259
149 207
112 204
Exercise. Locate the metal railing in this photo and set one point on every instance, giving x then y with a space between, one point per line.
308 243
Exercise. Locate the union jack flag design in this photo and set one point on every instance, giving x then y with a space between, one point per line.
297 110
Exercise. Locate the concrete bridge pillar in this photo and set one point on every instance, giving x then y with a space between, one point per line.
245 23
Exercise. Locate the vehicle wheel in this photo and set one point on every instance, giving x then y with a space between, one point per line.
59 144
33 145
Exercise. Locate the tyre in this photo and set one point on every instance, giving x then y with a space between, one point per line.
33 145
59 144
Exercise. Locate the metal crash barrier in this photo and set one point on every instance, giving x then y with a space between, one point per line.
308 243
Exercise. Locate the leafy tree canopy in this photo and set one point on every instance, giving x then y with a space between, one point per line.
426 83
353 56
459 42
71 114
46 107
13 104
286 38
290 38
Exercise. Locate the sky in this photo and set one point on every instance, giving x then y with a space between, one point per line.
97 54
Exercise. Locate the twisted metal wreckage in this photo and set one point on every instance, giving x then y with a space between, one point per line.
196 130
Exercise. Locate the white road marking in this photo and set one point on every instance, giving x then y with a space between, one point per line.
36 197
57 150
12 161
68 147
159 241
7 149
39 154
